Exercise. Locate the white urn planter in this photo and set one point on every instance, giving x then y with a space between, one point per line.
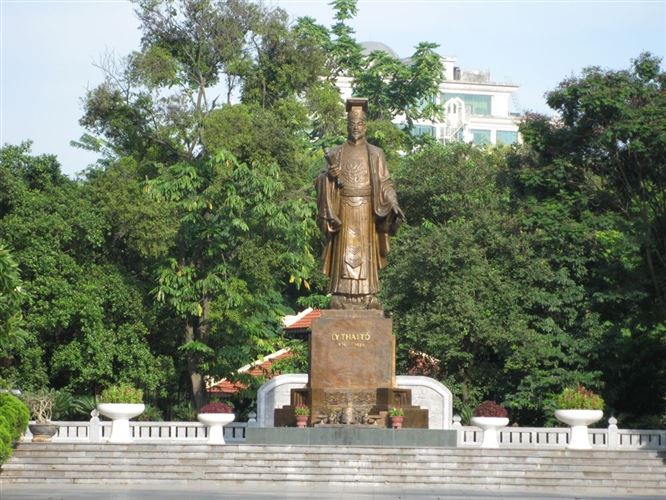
579 420
216 423
490 426
120 413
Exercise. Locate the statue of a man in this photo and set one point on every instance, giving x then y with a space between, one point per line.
358 210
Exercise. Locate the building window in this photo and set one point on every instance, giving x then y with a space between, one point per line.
480 137
507 137
479 105
423 130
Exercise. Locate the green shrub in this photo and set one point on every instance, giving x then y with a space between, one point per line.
5 444
83 405
150 414
122 393
14 416
62 405
183 412
578 399
15 410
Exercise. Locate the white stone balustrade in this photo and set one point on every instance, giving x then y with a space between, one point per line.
610 438
95 432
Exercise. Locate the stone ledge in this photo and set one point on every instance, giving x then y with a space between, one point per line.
357 436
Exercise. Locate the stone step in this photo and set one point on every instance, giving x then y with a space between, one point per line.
254 453
147 468
207 462
403 479
390 475
627 467
388 472
278 463
528 469
278 484
338 450
371 465
294 461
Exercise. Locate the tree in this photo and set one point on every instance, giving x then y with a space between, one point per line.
12 337
603 163
237 243
396 88
228 247
83 313
467 285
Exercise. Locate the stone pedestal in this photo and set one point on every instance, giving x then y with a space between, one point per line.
351 378
353 350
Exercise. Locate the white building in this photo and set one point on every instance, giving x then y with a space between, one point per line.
475 108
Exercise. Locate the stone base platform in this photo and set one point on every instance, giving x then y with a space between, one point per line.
351 435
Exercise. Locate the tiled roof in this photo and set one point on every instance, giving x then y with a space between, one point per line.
300 321
303 320
256 369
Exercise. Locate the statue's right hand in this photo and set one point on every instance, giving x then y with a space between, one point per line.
334 171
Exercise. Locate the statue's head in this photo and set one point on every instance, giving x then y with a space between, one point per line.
357 110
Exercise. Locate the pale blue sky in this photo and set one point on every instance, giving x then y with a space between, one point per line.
48 48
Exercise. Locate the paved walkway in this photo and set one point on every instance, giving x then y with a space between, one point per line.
249 492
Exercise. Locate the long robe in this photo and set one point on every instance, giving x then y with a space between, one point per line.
356 216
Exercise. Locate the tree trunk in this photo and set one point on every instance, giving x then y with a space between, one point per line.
198 389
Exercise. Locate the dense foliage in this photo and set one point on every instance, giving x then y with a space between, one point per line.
521 271
14 417
530 269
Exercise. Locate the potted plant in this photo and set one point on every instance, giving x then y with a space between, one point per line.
120 403
578 408
302 413
216 416
397 416
41 409
490 416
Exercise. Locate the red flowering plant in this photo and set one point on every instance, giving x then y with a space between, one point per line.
490 409
216 407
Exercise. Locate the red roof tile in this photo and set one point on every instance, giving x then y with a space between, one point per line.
256 369
304 321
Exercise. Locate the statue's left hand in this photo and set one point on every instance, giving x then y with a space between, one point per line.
398 212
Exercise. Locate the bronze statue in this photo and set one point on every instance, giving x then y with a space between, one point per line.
358 210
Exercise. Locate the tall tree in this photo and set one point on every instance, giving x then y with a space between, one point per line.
229 248
239 243
84 315
467 286
604 161
12 336
395 87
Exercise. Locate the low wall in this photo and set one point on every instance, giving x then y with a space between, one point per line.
426 393
610 438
